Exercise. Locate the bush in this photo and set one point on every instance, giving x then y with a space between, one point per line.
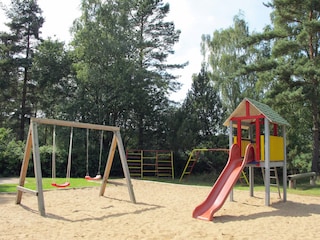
11 154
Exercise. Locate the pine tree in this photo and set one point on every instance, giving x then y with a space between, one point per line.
296 52
24 25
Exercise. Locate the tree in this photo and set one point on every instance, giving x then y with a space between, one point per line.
290 103
229 58
102 51
25 24
203 114
154 39
198 124
8 73
121 49
51 71
295 54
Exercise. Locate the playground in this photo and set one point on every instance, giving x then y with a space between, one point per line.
140 209
162 211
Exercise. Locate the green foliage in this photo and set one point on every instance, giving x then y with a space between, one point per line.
296 52
279 66
11 153
302 162
290 104
51 70
210 162
24 26
201 115
229 58
121 48
115 73
198 124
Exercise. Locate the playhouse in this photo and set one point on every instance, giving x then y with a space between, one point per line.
255 123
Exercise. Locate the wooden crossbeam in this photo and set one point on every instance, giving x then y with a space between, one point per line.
27 190
74 124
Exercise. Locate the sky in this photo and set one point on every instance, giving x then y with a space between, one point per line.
193 17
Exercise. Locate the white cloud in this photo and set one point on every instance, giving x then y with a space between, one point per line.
59 16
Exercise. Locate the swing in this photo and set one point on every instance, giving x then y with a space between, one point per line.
98 176
67 182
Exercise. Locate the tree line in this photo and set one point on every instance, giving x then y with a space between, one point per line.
115 72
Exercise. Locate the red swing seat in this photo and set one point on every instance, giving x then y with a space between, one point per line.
97 177
62 185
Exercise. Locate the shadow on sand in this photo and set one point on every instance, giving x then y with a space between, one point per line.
284 209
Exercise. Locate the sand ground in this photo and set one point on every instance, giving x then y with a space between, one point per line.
163 211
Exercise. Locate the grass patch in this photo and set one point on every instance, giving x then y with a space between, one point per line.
301 188
8 188
46 184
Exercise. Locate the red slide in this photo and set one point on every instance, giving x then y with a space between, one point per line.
224 183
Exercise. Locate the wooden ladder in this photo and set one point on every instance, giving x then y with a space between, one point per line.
134 160
165 164
274 179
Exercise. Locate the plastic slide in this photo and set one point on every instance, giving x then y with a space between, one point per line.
224 183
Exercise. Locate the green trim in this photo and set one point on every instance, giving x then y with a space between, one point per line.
271 115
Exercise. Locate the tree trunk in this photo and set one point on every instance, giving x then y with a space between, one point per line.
140 134
23 104
315 130
24 89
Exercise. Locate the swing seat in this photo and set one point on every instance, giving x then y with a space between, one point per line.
97 177
62 185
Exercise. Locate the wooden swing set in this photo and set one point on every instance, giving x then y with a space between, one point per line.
32 145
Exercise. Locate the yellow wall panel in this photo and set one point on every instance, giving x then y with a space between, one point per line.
276 148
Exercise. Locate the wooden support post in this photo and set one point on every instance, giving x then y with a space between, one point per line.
116 140
24 167
251 180
267 161
37 168
32 143
258 146
313 180
27 190
292 183
125 166
284 173
230 144
108 165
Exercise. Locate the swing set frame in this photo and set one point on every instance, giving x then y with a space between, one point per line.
32 145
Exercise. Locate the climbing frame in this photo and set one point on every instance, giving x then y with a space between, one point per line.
193 159
150 163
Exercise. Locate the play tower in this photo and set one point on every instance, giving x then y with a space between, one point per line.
255 123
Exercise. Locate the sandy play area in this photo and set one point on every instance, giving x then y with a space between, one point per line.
163 211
